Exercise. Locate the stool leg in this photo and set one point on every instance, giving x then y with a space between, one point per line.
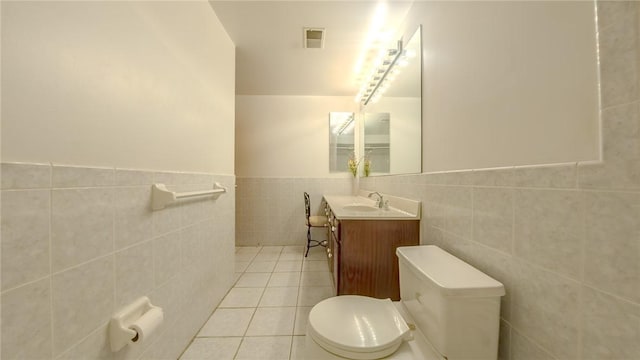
308 240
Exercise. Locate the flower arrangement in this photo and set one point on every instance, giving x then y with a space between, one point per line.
354 162
366 167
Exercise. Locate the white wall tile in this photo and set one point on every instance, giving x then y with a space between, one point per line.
26 322
544 308
493 217
615 12
167 220
134 273
133 215
494 177
524 349
81 227
611 327
76 176
95 346
129 177
612 249
549 229
458 211
25 236
499 266
83 299
170 298
504 344
25 176
618 62
166 257
549 176
621 133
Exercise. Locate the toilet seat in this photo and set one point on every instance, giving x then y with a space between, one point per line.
357 327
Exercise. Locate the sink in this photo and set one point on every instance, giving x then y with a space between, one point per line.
359 207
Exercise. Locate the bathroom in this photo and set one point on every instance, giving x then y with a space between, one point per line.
100 100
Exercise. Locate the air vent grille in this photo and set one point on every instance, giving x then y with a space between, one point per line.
313 38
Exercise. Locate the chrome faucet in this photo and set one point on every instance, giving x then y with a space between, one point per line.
380 201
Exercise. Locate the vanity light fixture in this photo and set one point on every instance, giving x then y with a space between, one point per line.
381 76
346 124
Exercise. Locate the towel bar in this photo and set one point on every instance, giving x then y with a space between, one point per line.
161 196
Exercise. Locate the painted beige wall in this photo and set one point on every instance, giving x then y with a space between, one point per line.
507 83
285 136
127 84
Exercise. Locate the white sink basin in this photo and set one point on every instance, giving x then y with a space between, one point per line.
359 207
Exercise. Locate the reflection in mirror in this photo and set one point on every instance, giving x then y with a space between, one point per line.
399 108
376 143
341 140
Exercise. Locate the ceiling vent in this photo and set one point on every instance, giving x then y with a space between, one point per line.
313 38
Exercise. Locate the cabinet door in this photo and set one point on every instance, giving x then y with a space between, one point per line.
336 264
368 263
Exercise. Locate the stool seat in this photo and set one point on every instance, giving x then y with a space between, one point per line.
318 221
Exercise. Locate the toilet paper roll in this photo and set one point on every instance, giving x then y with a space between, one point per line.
147 324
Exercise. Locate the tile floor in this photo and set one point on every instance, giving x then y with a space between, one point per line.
264 315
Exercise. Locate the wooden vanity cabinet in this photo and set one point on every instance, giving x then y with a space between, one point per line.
363 255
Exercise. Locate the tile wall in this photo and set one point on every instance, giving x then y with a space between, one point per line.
563 238
78 243
270 211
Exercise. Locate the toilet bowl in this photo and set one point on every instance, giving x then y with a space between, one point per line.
360 336
454 310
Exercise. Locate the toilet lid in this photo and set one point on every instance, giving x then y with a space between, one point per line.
357 327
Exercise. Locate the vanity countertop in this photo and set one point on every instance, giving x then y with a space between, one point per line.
362 207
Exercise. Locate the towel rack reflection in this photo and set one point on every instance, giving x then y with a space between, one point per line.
161 196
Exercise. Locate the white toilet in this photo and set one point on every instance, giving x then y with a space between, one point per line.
448 309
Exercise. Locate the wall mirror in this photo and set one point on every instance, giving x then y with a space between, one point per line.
341 140
392 130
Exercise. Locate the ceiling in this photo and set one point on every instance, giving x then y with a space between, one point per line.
270 58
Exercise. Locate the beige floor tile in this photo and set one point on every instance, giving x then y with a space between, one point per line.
272 321
316 278
271 249
253 280
287 266
309 296
265 348
227 322
279 297
261 266
212 348
242 297
297 348
284 279
315 265
300 325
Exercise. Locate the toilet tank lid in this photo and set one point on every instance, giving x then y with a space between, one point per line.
451 275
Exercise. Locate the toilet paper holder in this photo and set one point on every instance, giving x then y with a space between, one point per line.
121 331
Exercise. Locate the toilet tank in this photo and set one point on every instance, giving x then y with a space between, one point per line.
456 306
